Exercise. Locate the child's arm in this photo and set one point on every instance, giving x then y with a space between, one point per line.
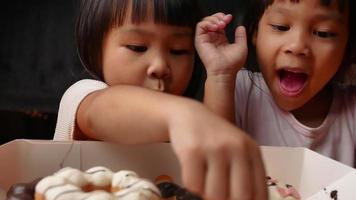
218 160
222 61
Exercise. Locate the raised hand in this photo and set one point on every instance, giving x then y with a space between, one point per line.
218 55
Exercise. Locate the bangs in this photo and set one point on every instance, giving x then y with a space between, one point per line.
171 12
342 3
97 17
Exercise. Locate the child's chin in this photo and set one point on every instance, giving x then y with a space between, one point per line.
288 104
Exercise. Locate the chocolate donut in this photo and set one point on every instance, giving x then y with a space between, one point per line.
22 191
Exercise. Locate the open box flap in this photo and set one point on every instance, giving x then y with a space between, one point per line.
320 171
342 189
148 160
26 160
306 170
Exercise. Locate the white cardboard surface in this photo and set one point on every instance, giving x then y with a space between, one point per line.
26 160
312 174
306 170
345 188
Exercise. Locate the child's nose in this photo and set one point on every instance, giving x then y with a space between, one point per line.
298 44
158 68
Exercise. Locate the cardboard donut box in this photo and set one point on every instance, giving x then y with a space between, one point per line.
314 175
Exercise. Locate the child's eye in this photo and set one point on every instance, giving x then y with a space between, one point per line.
280 27
179 51
137 48
324 34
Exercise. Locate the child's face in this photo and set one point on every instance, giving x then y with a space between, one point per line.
154 56
300 47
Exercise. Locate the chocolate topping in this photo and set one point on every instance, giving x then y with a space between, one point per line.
22 191
22 196
333 194
20 188
183 194
169 189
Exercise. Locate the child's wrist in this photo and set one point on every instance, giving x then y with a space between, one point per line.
221 79
183 110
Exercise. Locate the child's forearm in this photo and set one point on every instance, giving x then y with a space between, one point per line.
209 149
219 95
128 115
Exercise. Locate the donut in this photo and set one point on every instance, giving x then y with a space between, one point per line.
128 185
22 191
100 183
172 191
99 178
97 183
74 177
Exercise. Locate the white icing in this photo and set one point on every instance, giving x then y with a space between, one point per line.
100 195
136 188
79 195
99 176
66 185
73 176
147 185
55 193
49 181
139 194
124 179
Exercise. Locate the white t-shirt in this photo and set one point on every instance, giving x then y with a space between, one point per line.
68 107
257 114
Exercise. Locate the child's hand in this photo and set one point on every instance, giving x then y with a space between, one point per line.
218 160
218 55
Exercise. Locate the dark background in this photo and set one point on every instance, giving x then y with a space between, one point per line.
38 61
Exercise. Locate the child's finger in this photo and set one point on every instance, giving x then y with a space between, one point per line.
217 21
208 25
223 17
241 178
222 20
193 172
240 36
217 177
260 176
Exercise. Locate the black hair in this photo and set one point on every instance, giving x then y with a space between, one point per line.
96 17
258 7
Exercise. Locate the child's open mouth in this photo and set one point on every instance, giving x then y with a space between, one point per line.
291 83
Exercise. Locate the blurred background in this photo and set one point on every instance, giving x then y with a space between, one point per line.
38 61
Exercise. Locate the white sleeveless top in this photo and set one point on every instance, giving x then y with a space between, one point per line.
69 104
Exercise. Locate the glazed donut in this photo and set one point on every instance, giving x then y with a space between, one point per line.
100 183
127 185
99 178
74 177
97 183
22 191
171 191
